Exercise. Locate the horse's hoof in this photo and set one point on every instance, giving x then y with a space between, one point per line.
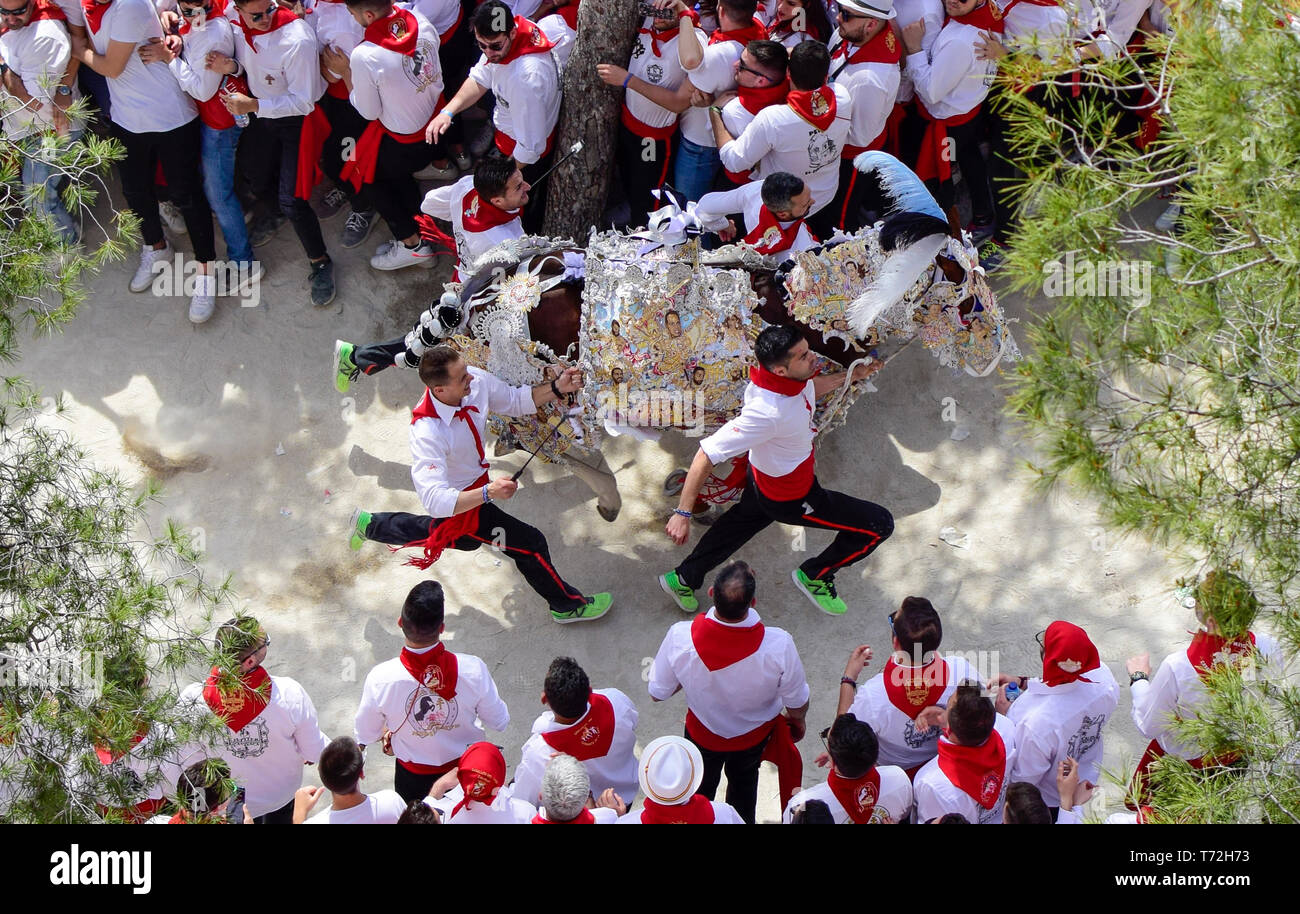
673 484
609 514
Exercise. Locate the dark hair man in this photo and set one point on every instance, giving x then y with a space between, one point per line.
857 790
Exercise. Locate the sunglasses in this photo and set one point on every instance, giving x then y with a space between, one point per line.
826 735
495 47
891 621
741 66
190 12
845 14
258 17
265 644
21 11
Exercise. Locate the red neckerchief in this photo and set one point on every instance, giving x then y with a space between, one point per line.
478 214
720 646
910 690
768 237
986 17
858 796
755 100
755 31
1207 650
437 670
1066 643
787 387
94 14
978 771
279 19
884 48
816 107
217 9
41 10
237 710
396 33
588 737
107 756
698 810
666 35
583 818
466 522
529 39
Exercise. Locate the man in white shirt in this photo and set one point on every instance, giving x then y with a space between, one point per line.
450 470
280 57
775 208
523 74
484 211
971 773
803 137
456 54
670 772
342 767
915 677
271 729
762 81
597 727
740 677
1061 715
427 704
951 84
775 429
395 83
857 791
865 61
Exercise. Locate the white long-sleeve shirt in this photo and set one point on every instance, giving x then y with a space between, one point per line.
1044 31
937 796
334 27
448 203
428 729
778 139
714 209
949 80
444 458
1058 722
217 34
617 768
442 13
895 799
711 76
873 89
1117 20
527 91
38 53
910 11
283 69
398 90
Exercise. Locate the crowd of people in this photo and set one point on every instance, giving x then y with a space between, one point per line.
256 112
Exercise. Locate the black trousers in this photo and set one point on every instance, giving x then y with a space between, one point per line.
456 55
522 543
742 776
535 210
643 163
346 127
378 356
179 151
411 786
974 170
395 192
269 157
861 527
1005 167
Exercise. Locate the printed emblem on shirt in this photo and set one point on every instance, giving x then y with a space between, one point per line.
915 738
1087 736
890 41
654 73
427 712
821 148
249 742
421 68
866 797
589 734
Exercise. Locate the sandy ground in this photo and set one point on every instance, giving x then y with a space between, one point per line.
206 408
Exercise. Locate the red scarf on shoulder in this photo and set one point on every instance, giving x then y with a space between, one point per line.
94 14
755 100
279 19
910 690
478 214
769 238
237 709
755 31
858 796
884 48
396 33
1206 651
987 17
436 669
43 9
978 771
719 645
590 736
529 39
584 818
816 107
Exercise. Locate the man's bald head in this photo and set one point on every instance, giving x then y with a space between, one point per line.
733 591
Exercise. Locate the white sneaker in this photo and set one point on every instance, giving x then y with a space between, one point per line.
204 300
1169 218
171 215
395 256
144 273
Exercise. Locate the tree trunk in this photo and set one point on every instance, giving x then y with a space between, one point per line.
590 113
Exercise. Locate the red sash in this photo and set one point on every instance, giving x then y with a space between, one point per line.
311 143
816 107
1139 796
858 796
361 169
931 163
590 736
978 771
705 737
797 482
569 13
238 709
642 129
698 810
529 39
719 646
1207 650
280 18
887 139
212 112
94 14
911 691
583 818
755 31
506 143
768 237
437 670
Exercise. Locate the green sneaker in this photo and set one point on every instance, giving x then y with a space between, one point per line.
822 593
682 595
345 370
595 607
357 525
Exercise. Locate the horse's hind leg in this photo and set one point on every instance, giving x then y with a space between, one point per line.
597 475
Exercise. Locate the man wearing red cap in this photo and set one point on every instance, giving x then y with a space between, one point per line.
426 705
483 801
1062 714
973 769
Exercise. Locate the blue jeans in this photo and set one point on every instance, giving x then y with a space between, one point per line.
219 186
695 169
38 172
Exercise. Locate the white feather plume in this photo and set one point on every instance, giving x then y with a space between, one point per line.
900 272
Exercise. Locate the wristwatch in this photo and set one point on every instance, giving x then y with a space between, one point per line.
1139 675
65 91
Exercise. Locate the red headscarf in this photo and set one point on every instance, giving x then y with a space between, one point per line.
1068 653
482 771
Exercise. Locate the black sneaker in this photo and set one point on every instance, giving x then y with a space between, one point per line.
322 283
264 228
357 229
993 254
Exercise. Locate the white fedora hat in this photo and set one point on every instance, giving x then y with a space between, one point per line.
877 9
670 770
